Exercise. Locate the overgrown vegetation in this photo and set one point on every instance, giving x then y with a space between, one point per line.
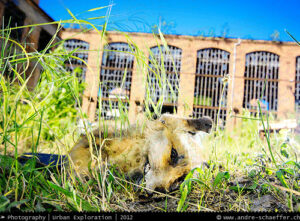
245 172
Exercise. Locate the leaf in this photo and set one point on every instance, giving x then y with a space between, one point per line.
39 207
189 181
239 188
289 171
281 178
95 18
252 187
284 153
292 163
78 200
56 206
220 176
99 8
3 203
292 37
17 203
235 188
6 161
29 166
253 173
283 150
181 202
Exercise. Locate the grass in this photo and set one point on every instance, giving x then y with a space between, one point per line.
245 172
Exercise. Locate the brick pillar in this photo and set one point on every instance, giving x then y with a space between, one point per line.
236 87
286 85
90 98
187 80
235 92
138 83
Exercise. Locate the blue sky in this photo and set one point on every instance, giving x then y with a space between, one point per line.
255 19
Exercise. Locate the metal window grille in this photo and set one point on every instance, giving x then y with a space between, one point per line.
115 79
261 81
164 74
297 85
81 51
210 96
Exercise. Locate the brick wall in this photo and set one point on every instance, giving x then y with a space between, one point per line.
238 49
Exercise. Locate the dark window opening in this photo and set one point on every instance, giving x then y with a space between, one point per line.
44 40
164 109
169 109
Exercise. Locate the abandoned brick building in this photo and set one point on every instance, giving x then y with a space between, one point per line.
17 13
206 76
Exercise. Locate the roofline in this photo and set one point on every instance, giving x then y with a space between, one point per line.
170 36
45 14
40 9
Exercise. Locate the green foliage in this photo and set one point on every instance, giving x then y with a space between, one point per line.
202 100
220 177
75 202
48 112
7 205
59 93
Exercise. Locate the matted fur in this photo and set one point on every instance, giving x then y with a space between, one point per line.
163 151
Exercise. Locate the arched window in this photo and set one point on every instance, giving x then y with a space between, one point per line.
80 49
297 85
261 81
115 79
163 76
210 93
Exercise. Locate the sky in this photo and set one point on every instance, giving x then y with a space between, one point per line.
252 19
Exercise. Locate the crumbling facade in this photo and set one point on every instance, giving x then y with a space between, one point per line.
207 76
